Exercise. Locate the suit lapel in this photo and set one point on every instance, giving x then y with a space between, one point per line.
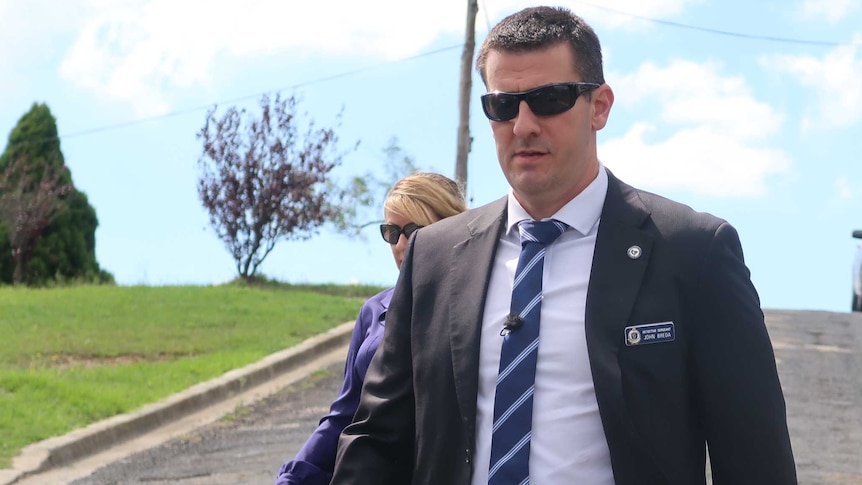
614 284
470 274
616 273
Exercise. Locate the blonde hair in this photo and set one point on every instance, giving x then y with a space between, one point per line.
425 198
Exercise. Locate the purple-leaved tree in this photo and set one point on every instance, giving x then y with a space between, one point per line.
263 180
28 202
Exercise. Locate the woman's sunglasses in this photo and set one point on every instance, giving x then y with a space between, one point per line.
543 101
392 232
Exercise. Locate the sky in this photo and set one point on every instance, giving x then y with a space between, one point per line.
751 111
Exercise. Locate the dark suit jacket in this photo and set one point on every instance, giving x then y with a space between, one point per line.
660 404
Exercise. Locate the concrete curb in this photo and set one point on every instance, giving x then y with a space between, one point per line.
78 444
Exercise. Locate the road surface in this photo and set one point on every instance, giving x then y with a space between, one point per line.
819 357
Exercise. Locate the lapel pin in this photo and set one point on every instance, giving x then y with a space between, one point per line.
634 252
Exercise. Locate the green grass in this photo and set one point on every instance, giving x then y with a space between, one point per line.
73 356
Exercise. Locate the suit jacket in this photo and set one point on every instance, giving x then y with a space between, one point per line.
660 404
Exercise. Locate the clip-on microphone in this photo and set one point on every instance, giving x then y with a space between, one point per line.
513 322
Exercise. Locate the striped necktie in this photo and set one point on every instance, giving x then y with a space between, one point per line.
513 401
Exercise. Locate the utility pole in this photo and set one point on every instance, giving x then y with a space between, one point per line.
464 138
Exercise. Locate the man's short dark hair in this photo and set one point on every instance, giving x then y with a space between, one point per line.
537 28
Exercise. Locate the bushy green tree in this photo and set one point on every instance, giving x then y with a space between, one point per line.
66 248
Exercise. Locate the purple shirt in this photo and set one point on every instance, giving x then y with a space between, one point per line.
314 463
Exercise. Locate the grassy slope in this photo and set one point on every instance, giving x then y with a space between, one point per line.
72 356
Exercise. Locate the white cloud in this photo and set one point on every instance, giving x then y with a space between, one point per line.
29 31
138 50
706 136
834 80
32 37
694 93
135 50
699 160
831 10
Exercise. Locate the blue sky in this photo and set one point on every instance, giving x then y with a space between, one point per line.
764 133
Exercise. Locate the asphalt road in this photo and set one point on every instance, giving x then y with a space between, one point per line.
819 358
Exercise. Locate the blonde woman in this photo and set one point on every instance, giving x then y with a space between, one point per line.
415 201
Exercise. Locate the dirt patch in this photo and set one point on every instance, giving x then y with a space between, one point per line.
67 361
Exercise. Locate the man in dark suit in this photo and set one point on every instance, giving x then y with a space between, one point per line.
652 347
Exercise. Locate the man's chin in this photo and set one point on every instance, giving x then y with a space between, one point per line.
531 184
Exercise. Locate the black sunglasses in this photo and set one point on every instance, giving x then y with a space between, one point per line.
543 101
392 232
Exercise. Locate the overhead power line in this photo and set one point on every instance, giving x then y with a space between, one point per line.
669 23
172 114
787 40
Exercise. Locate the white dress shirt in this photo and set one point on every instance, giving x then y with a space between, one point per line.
568 441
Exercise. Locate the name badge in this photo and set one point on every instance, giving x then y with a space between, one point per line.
652 333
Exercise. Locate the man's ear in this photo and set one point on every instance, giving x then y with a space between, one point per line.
601 101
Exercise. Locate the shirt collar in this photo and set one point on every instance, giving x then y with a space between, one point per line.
581 213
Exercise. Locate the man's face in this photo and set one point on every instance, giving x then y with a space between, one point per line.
548 160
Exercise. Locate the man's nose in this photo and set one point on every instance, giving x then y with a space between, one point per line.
526 123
